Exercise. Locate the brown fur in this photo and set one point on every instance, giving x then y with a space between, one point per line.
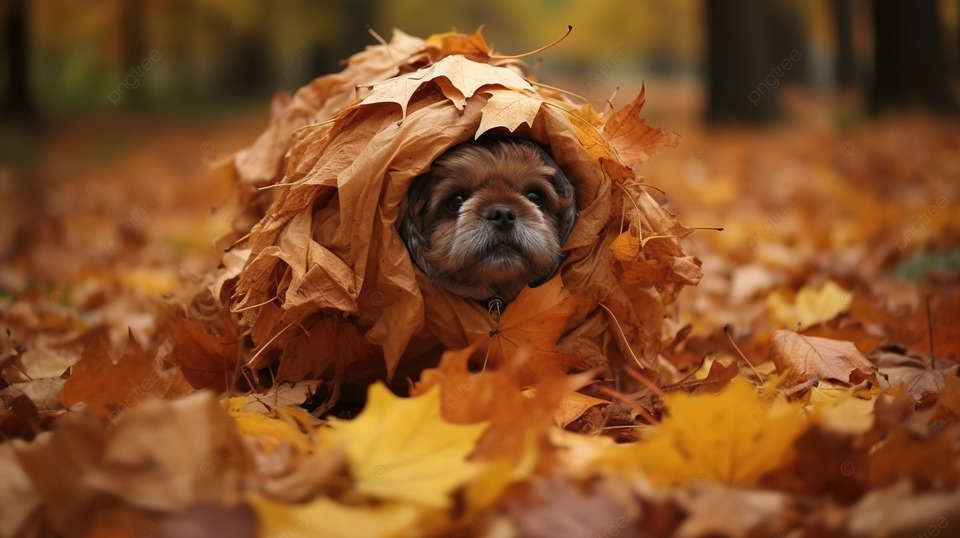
472 253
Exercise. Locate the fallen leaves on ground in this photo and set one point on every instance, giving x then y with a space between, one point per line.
129 412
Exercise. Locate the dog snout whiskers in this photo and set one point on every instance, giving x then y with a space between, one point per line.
502 217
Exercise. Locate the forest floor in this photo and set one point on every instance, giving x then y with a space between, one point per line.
847 234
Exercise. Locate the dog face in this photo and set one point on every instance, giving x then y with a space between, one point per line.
489 218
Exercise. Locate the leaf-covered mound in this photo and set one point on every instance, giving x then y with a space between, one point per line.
322 281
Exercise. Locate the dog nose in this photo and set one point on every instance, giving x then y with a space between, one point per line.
502 217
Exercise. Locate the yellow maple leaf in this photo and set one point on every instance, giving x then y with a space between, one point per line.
734 437
402 448
282 425
835 406
811 306
326 517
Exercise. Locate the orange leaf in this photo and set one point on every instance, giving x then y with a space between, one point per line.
535 321
634 140
330 341
106 387
473 46
495 395
207 361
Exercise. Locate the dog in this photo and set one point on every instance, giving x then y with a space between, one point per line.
489 218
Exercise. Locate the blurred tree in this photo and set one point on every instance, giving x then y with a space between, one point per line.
753 47
911 67
845 70
134 50
16 44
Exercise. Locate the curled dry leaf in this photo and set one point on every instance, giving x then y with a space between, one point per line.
800 357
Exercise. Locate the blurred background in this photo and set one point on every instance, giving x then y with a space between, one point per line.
821 134
210 57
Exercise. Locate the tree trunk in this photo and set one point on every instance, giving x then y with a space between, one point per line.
738 61
846 61
17 102
911 66
134 49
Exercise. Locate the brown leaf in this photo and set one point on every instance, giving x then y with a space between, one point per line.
107 387
329 342
717 378
207 361
472 46
466 77
634 140
799 357
508 109
534 322
495 395
161 456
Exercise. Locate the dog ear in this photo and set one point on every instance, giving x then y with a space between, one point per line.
412 226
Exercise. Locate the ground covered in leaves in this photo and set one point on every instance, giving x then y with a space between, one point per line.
818 390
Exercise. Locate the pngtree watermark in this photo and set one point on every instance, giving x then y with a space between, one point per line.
132 80
772 80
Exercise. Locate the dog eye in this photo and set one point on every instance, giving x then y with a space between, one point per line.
453 203
536 197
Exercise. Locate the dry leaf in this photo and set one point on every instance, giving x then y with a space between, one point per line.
107 387
403 449
160 456
811 306
634 140
732 437
508 109
326 517
800 357
465 77
207 361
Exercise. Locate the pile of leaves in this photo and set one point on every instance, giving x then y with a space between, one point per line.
322 284
211 418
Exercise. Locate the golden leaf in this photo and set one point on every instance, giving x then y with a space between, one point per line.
326 517
402 448
811 306
734 437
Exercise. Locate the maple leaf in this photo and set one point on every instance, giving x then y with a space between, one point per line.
573 406
799 357
464 77
634 140
509 109
811 306
326 517
329 342
734 437
472 46
534 321
107 387
280 425
496 395
162 456
400 448
206 360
